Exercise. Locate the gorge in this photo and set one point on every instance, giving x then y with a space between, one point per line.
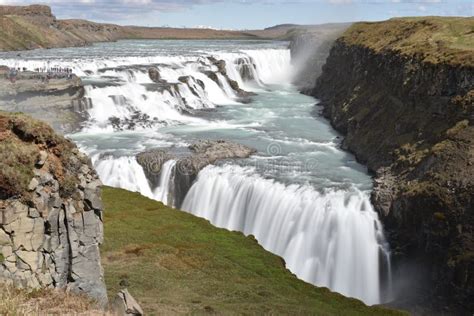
300 195
220 130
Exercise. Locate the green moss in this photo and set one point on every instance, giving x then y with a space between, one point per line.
2 258
178 263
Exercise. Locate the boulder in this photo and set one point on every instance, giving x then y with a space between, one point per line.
189 161
154 74
124 304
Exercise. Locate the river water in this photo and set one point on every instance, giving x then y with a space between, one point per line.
300 195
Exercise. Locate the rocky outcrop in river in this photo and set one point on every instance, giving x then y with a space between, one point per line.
50 211
189 161
406 108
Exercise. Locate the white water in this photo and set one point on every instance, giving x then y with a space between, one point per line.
123 172
162 192
330 239
129 94
319 221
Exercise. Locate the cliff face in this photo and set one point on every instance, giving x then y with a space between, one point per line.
50 211
407 111
59 101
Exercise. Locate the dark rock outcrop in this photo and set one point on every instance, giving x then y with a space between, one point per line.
244 96
411 122
189 161
50 211
154 74
246 68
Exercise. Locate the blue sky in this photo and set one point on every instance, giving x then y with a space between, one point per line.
247 14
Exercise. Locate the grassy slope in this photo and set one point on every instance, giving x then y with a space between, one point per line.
438 39
177 263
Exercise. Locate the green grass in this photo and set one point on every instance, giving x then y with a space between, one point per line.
174 262
435 39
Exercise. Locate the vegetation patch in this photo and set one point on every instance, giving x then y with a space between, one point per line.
435 39
174 262
22 138
15 301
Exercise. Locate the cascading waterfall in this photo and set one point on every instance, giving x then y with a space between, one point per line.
120 89
329 239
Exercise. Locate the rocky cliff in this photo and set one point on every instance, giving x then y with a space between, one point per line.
402 92
50 211
58 101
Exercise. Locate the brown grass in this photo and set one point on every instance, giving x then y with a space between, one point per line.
434 39
21 140
15 301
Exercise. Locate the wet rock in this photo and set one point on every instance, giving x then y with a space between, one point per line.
246 69
212 75
189 161
154 74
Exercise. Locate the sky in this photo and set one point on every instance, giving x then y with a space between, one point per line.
247 14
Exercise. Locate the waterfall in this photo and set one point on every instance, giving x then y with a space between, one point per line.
108 79
162 192
120 88
328 239
123 172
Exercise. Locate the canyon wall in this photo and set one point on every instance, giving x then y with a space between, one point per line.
402 92
58 101
50 211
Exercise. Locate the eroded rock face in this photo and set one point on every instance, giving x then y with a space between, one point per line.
51 229
189 161
411 122
60 101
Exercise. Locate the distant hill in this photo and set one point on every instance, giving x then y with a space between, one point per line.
30 27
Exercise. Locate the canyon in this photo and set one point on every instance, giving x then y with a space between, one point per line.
399 92
405 106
